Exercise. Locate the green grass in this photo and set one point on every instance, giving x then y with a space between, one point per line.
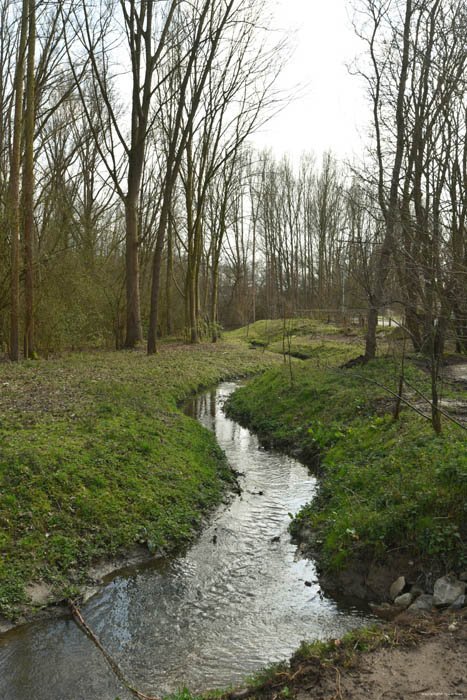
269 333
95 455
385 483
306 339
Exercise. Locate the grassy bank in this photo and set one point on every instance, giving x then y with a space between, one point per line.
95 456
386 484
301 338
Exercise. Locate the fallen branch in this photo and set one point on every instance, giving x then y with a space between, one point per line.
77 616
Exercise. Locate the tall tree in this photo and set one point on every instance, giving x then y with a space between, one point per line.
15 170
382 33
147 27
28 186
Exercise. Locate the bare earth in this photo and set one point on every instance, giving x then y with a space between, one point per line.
435 667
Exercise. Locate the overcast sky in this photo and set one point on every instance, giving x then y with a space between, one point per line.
333 113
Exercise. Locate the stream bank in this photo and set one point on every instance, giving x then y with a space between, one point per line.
391 496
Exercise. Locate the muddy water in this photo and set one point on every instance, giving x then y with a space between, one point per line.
237 600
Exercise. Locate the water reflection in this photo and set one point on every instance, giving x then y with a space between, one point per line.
235 602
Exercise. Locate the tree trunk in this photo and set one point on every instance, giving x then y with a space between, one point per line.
214 304
372 322
134 331
168 281
435 414
28 191
14 186
156 275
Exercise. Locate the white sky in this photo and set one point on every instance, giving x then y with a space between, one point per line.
333 113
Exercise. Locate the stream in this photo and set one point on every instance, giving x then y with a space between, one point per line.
237 600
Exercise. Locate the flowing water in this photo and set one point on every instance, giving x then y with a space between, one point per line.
237 600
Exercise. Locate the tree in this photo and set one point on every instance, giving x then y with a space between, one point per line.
207 26
389 72
146 43
28 186
15 169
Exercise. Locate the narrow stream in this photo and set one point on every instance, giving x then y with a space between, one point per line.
237 600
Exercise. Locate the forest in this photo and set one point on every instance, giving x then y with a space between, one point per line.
133 205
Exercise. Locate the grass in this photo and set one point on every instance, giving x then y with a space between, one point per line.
95 455
385 484
310 339
273 334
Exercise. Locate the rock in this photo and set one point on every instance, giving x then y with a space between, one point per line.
463 576
308 583
385 610
458 603
305 533
447 589
417 590
397 587
424 603
240 693
403 601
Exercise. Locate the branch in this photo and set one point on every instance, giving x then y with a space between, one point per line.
77 616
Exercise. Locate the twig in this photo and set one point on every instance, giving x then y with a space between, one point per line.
77 615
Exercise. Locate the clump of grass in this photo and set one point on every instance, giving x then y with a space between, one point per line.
95 455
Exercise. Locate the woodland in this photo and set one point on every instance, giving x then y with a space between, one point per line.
132 205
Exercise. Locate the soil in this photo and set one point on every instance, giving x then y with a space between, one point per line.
433 667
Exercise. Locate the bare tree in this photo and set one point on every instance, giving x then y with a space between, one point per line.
208 25
381 34
28 186
147 29
15 170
